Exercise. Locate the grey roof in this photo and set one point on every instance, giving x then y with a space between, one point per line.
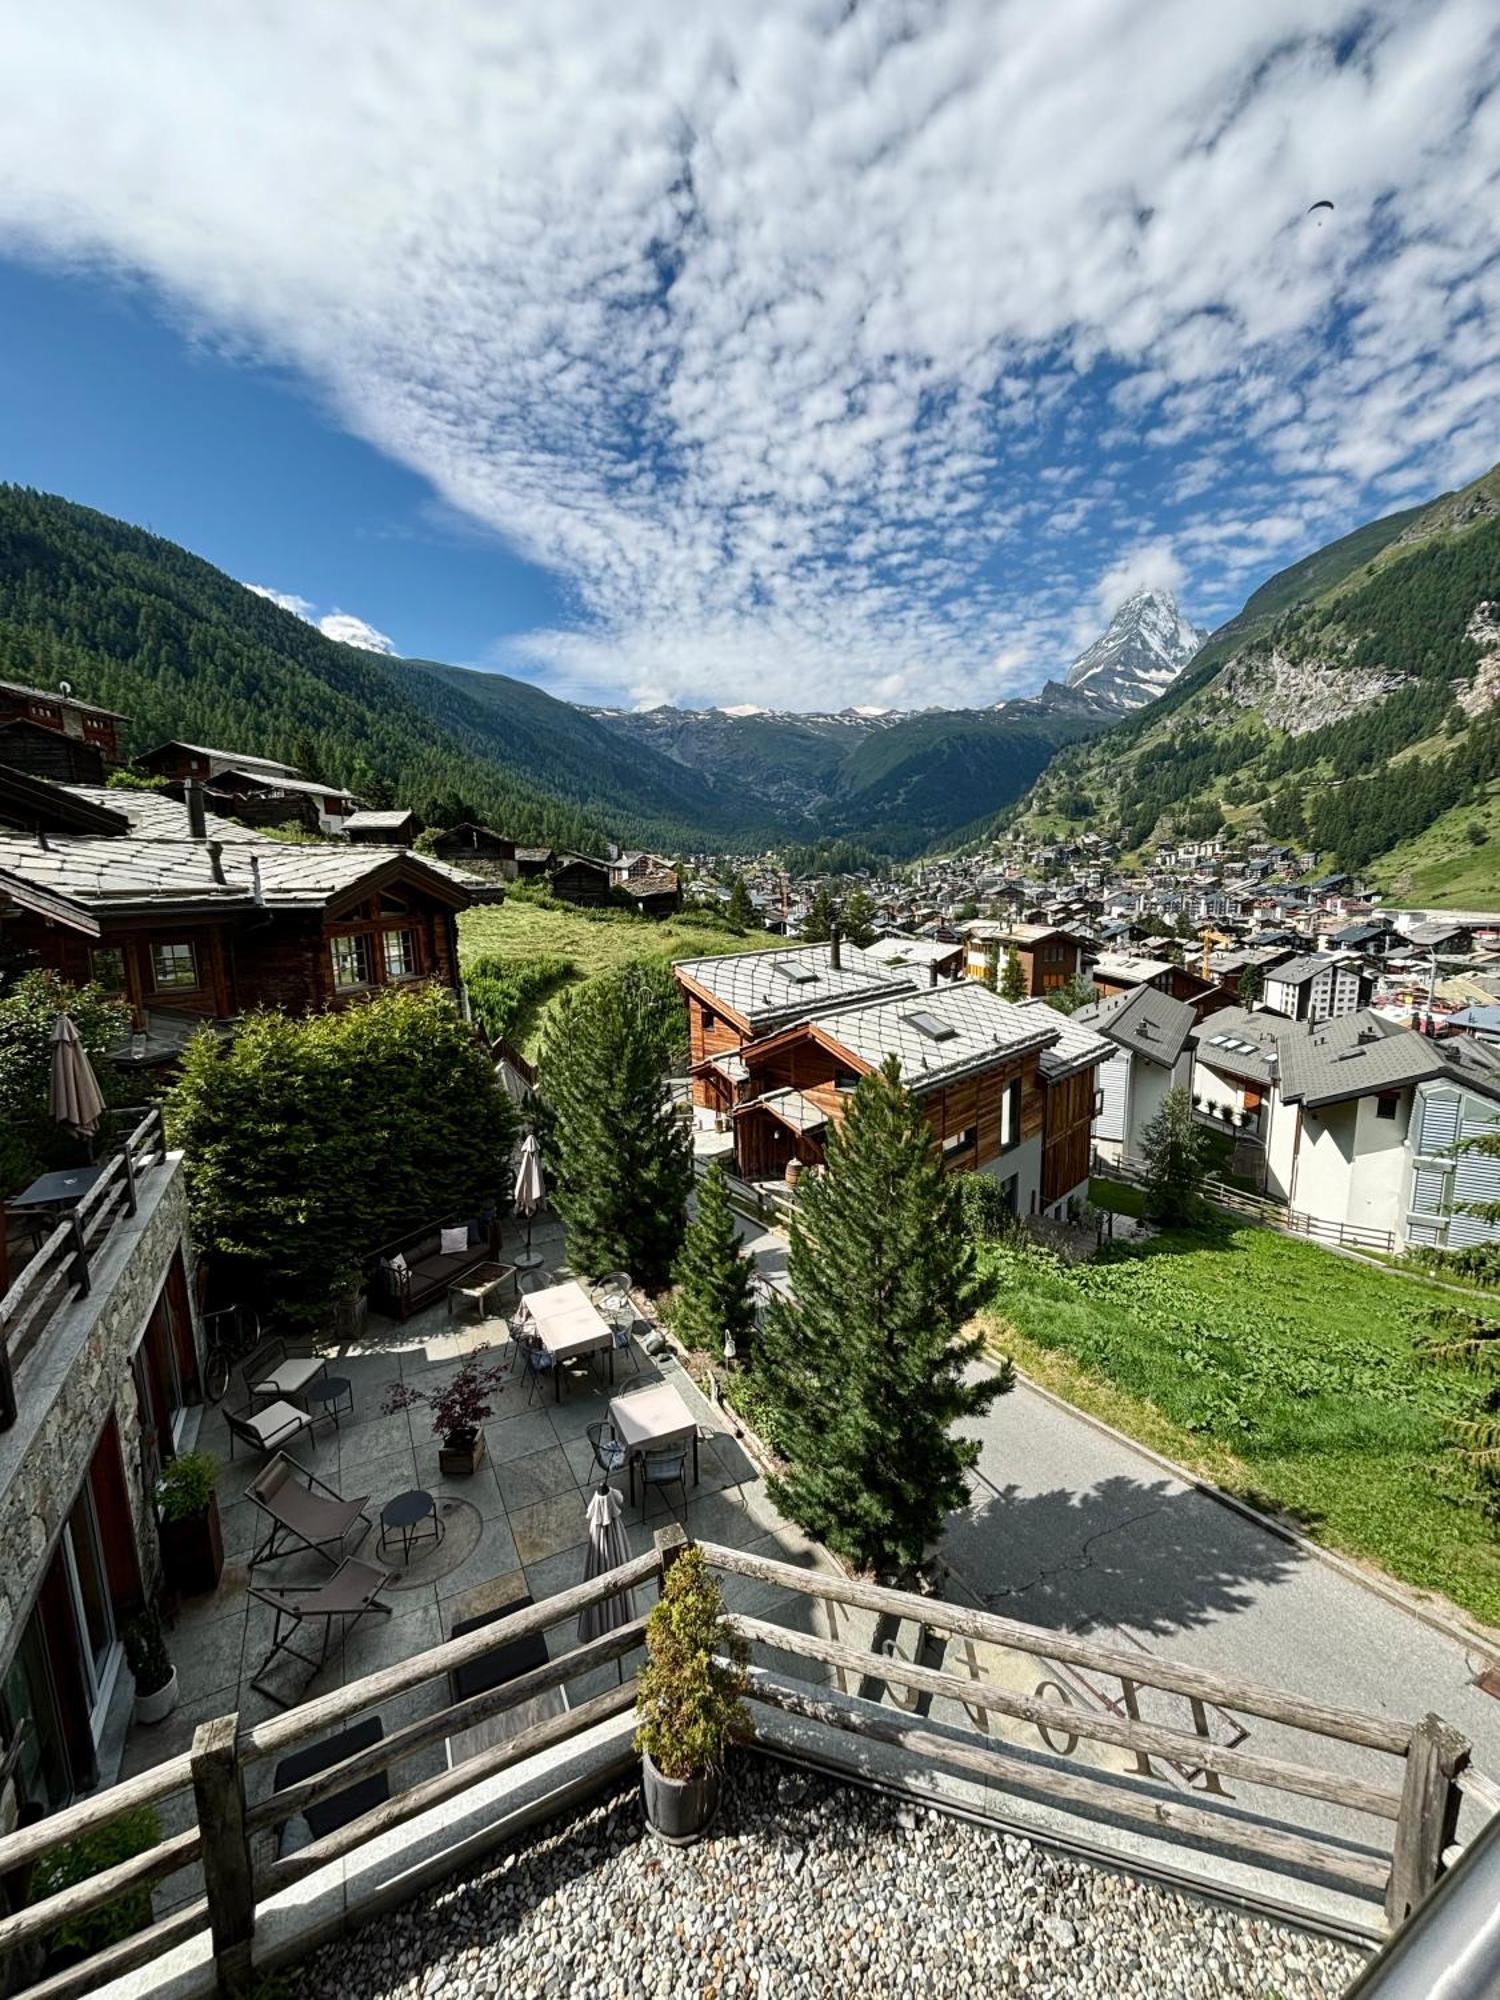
229 760
792 1108
1243 1044
730 1064
1353 1055
911 950
771 989
283 781
1077 1046
1128 969
975 1030
1145 1021
1297 971
155 816
1433 931
377 822
41 902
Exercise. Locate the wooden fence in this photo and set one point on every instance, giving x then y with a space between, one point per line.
1263 1209
60 1270
1418 1804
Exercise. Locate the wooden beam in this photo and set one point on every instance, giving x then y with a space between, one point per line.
31 1843
1428 1822
1375 1732
37 1919
90 1974
219 1792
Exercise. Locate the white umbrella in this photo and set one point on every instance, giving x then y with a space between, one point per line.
75 1098
530 1193
607 1550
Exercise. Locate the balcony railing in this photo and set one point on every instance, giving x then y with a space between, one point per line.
62 1269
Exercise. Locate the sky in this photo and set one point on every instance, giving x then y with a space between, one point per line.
777 351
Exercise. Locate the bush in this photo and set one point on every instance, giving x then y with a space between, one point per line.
91 1854
690 1693
31 1141
504 991
313 1143
146 1651
186 1486
982 1208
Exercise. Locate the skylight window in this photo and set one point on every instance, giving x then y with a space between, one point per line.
932 1026
797 975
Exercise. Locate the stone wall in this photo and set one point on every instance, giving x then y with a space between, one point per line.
66 1388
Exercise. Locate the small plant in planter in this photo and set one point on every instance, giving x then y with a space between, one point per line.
192 1537
151 1665
690 1702
459 1409
101 1848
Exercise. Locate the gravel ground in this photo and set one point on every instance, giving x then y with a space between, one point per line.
808 1888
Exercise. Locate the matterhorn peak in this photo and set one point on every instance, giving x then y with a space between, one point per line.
1146 646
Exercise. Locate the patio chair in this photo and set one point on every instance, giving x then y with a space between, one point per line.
522 1335
540 1366
310 1516
265 1430
352 1590
328 1815
611 1293
662 1469
620 1341
534 1281
610 1455
273 1371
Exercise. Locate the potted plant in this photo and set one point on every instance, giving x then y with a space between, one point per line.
689 1699
192 1537
459 1409
150 1663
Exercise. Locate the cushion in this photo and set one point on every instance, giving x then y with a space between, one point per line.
398 1265
454 1241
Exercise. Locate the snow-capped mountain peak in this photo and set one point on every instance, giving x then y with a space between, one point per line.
1146 647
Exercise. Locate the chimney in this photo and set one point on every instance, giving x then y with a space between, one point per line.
256 890
932 974
835 949
197 818
216 862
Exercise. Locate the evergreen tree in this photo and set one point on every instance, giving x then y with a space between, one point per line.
1176 1159
865 1365
715 1279
741 910
1013 977
1252 985
621 1159
817 926
858 921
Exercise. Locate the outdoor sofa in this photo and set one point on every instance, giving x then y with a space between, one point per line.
411 1273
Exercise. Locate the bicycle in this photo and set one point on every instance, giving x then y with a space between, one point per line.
229 1335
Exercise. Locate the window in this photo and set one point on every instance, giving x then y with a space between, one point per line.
93 1612
173 966
1386 1103
958 1143
351 962
845 1079
107 968
1010 1115
400 954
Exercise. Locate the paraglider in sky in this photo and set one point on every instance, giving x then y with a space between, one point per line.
1318 207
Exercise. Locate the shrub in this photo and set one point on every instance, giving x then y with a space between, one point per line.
982 1208
186 1486
690 1693
146 1651
90 1854
31 1140
504 991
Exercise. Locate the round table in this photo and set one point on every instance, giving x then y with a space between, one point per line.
407 1516
333 1394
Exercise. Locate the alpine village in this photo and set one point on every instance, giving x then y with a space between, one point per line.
688 1314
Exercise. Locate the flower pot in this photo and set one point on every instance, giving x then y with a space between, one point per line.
458 1456
680 1810
158 1705
192 1551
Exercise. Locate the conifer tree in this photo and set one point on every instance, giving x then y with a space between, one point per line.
1013 978
858 923
1175 1150
741 910
621 1161
817 926
865 1365
715 1279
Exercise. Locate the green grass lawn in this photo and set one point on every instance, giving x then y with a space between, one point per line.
1442 867
1274 1368
519 929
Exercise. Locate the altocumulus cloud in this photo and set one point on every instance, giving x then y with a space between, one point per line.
341 625
760 323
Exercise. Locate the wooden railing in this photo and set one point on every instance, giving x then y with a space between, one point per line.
61 1269
1263 1209
1419 1802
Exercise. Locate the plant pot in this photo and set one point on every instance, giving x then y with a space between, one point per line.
459 1456
158 1705
680 1810
192 1551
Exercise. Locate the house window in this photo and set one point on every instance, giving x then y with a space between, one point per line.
107 968
351 962
1386 1103
173 967
400 954
958 1143
845 1080
1010 1115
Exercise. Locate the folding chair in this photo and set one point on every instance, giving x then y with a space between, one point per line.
352 1590
310 1516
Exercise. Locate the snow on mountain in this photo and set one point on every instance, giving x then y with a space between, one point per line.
1146 647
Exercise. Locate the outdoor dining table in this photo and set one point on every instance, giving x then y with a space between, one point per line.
652 1419
569 1324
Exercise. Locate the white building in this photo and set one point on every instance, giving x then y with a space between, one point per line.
1320 986
1149 1031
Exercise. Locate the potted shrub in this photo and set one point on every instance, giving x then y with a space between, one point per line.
192 1537
459 1409
690 1702
150 1663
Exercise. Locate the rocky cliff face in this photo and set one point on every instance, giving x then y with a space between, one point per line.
1299 695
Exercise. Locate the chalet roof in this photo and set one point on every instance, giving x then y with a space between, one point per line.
1145 1021
1434 932
378 822
791 1107
1353 1055
911 950
1128 969
1238 1043
156 816
940 1034
771 989
1077 1047
661 882
1354 935
20 894
1297 971
29 802
235 760
283 781
60 700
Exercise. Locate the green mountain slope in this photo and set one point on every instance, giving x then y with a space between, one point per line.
1350 707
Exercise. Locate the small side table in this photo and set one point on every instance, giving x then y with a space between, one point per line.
480 1283
407 1516
330 1396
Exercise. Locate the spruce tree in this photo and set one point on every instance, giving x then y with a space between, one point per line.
858 923
1013 978
741 910
620 1159
817 926
1175 1148
715 1279
865 1365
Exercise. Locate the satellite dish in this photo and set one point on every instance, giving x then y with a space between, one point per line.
65 687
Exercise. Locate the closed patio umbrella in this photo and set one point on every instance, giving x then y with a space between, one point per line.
74 1098
607 1550
530 1192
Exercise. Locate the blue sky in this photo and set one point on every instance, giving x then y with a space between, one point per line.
775 352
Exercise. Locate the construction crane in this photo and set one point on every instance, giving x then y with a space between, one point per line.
1210 939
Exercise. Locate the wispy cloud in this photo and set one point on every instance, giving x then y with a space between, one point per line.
341 625
759 324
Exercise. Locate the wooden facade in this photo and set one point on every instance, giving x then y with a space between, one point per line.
50 753
1072 1104
577 879
713 1030
99 727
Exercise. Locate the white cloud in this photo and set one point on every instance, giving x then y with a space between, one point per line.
287 599
352 631
759 324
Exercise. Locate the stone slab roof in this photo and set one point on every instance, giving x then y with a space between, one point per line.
1145 1021
1077 1047
771 989
1352 1056
942 1034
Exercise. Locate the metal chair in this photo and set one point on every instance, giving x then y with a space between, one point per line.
522 1335
540 1367
266 1430
610 1455
661 1469
275 1372
533 1281
352 1590
619 1338
303 1512
612 1292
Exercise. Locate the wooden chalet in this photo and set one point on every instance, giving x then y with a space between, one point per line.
651 883
50 753
1050 957
1009 1090
578 878
479 848
197 760
275 798
59 712
397 828
739 998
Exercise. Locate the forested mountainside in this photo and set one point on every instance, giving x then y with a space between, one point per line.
1350 707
